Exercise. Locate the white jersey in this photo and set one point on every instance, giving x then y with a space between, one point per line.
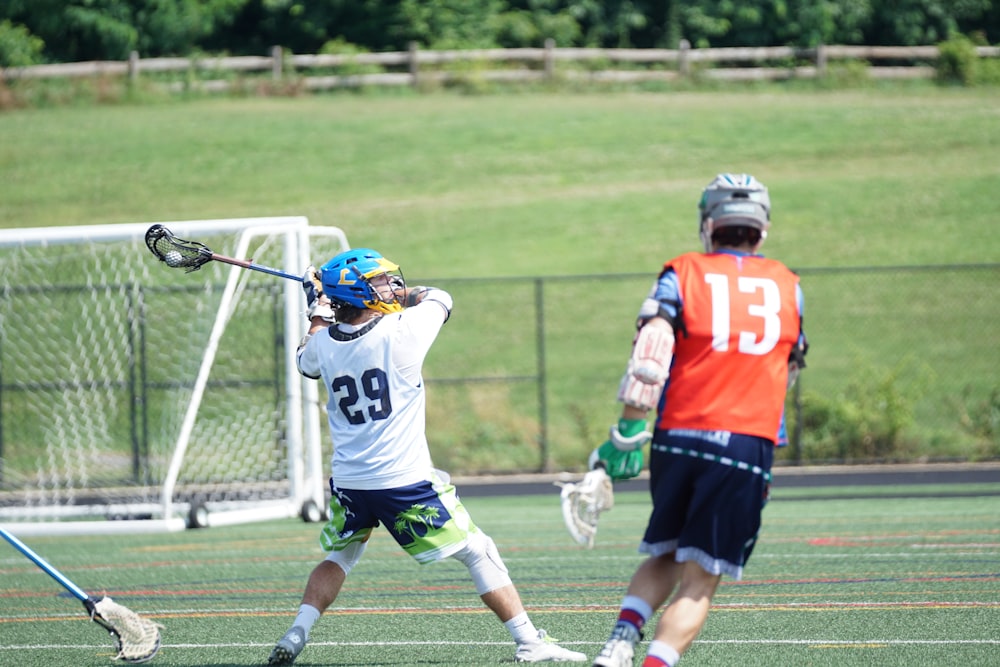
376 393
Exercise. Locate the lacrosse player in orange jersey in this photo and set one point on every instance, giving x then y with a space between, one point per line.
719 343
368 337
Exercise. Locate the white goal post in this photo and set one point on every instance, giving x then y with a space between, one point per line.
138 397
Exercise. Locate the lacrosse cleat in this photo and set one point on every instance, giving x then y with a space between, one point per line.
288 647
619 648
545 649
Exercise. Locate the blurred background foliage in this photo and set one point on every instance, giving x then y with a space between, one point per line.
49 31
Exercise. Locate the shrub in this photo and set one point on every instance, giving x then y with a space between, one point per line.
18 47
988 72
958 61
867 422
849 74
981 419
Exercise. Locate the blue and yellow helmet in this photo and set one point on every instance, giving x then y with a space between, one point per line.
347 280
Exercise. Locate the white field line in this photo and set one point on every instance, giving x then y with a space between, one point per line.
851 553
558 607
868 643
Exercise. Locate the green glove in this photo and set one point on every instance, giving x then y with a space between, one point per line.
618 464
621 455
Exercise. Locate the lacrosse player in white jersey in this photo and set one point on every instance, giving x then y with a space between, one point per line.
368 337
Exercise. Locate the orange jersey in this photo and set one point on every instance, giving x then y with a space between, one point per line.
730 371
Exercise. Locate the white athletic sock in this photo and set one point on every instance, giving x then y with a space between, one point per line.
522 629
664 652
308 615
640 607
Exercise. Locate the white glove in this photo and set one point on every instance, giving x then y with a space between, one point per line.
317 303
321 308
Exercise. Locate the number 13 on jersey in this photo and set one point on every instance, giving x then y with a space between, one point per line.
764 304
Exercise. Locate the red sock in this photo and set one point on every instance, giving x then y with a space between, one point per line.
631 617
660 654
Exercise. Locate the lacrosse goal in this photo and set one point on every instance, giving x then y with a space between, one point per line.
134 397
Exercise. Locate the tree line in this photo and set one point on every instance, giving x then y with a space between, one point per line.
48 31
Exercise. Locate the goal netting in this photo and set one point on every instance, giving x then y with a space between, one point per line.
134 396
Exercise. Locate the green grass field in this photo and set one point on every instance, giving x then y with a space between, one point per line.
593 183
834 580
532 183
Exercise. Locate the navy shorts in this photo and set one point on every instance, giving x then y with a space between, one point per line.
708 493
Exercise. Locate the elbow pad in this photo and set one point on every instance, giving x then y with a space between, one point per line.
442 298
649 366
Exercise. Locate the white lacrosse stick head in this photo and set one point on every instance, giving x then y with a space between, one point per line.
137 638
583 502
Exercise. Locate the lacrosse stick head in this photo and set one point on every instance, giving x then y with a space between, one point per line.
582 504
137 639
175 252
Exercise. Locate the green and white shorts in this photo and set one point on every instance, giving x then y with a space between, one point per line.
427 519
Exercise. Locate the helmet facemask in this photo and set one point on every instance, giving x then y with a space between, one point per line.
387 291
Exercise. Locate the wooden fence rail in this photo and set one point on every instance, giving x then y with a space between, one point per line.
524 64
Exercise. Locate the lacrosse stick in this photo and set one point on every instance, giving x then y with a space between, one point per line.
191 255
136 639
583 502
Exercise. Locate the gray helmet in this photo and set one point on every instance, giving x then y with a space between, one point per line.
733 200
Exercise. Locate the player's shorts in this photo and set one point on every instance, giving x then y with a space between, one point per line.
427 519
708 493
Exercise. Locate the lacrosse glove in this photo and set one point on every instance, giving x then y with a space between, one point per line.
621 454
316 303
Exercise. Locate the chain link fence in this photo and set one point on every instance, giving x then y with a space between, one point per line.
904 365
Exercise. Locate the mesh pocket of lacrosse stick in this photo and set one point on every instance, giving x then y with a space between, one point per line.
583 502
137 639
175 252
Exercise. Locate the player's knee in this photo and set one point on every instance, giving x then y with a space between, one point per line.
347 557
487 569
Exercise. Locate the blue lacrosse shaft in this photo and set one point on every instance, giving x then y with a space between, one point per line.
49 570
250 264
273 272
